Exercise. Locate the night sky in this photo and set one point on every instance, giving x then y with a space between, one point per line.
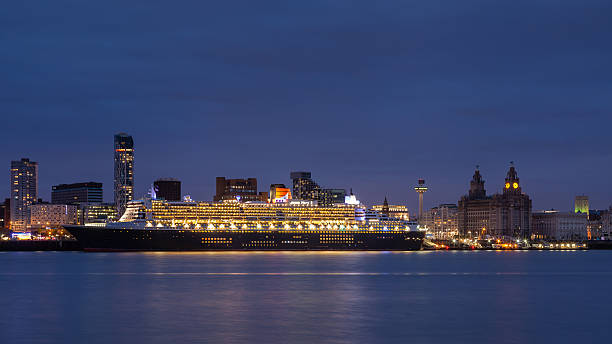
365 94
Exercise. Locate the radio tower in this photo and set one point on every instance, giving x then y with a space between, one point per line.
421 189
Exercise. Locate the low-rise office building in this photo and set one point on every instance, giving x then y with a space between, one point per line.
98 213
51 216
76 193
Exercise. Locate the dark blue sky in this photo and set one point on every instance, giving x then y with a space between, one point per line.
365 94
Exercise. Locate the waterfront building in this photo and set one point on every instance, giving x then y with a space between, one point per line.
392 210
505 215
168 189
124 171
304 187
5 214
279 193
98 213
24 192
599 224
244 190
581 204
441 221
555 225
51 216
76 193
595 224
474 211
606 225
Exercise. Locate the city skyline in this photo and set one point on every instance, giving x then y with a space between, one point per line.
317 171
412 206
429 92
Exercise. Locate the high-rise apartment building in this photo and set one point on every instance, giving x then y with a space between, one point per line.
77 193
24 192
124 171
168 189
505 215
304 187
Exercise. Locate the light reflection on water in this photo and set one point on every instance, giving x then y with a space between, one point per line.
305 297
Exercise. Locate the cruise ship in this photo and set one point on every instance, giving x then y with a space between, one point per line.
159 225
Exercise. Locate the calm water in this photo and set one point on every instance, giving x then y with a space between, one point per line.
354 297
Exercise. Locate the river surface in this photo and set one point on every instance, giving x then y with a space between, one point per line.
306 297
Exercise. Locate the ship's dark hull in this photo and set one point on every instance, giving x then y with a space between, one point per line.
106 239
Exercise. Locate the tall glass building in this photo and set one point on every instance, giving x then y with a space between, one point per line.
124 171
24 192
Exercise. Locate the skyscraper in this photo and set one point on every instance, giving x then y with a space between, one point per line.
24 192
124 171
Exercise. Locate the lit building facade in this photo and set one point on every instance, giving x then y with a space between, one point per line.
307 189
98 213
555 225
329 197
89 192
232 189
606 225
441 221
505 215
304 187
51 216
599 224
168 189
5 214
394 211
24 192
124 171
581 204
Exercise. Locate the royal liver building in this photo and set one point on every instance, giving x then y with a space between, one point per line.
505 215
